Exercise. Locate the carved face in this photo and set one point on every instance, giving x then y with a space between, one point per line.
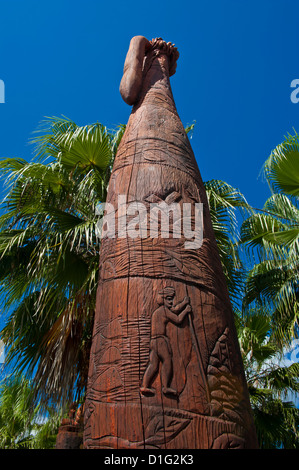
168 301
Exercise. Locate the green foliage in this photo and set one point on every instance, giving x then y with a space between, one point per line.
49 254
269 382
282 167
21 426
224 204
269 319
272 241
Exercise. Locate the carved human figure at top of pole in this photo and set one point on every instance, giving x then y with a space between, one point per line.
139 60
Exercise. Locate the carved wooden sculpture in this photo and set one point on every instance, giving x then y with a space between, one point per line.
165 366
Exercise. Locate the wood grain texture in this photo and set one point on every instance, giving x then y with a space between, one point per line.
165 366
70 431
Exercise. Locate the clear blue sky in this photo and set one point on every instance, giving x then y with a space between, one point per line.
237 60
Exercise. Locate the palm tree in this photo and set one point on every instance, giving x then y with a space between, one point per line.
50 254
23 427
272 239
269 381
225 204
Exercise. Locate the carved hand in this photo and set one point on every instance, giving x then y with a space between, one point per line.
188 309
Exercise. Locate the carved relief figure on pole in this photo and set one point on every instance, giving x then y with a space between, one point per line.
160 348
162 374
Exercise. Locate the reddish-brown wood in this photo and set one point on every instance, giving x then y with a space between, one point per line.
70 432
165 366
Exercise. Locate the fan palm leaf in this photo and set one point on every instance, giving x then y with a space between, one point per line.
272 240
269 382
47 234
225 202
282 167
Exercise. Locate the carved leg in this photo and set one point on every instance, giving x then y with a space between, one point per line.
150 373
166 377
165 355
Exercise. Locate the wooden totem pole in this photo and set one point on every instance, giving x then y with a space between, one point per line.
165 366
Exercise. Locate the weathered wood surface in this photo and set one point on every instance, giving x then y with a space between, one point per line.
70 432
165 366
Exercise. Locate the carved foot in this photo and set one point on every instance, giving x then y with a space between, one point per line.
148 391
169 391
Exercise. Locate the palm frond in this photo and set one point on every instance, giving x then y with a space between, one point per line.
282 167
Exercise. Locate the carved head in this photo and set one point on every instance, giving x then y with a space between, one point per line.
166 296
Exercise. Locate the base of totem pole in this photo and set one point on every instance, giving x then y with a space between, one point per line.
163 431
